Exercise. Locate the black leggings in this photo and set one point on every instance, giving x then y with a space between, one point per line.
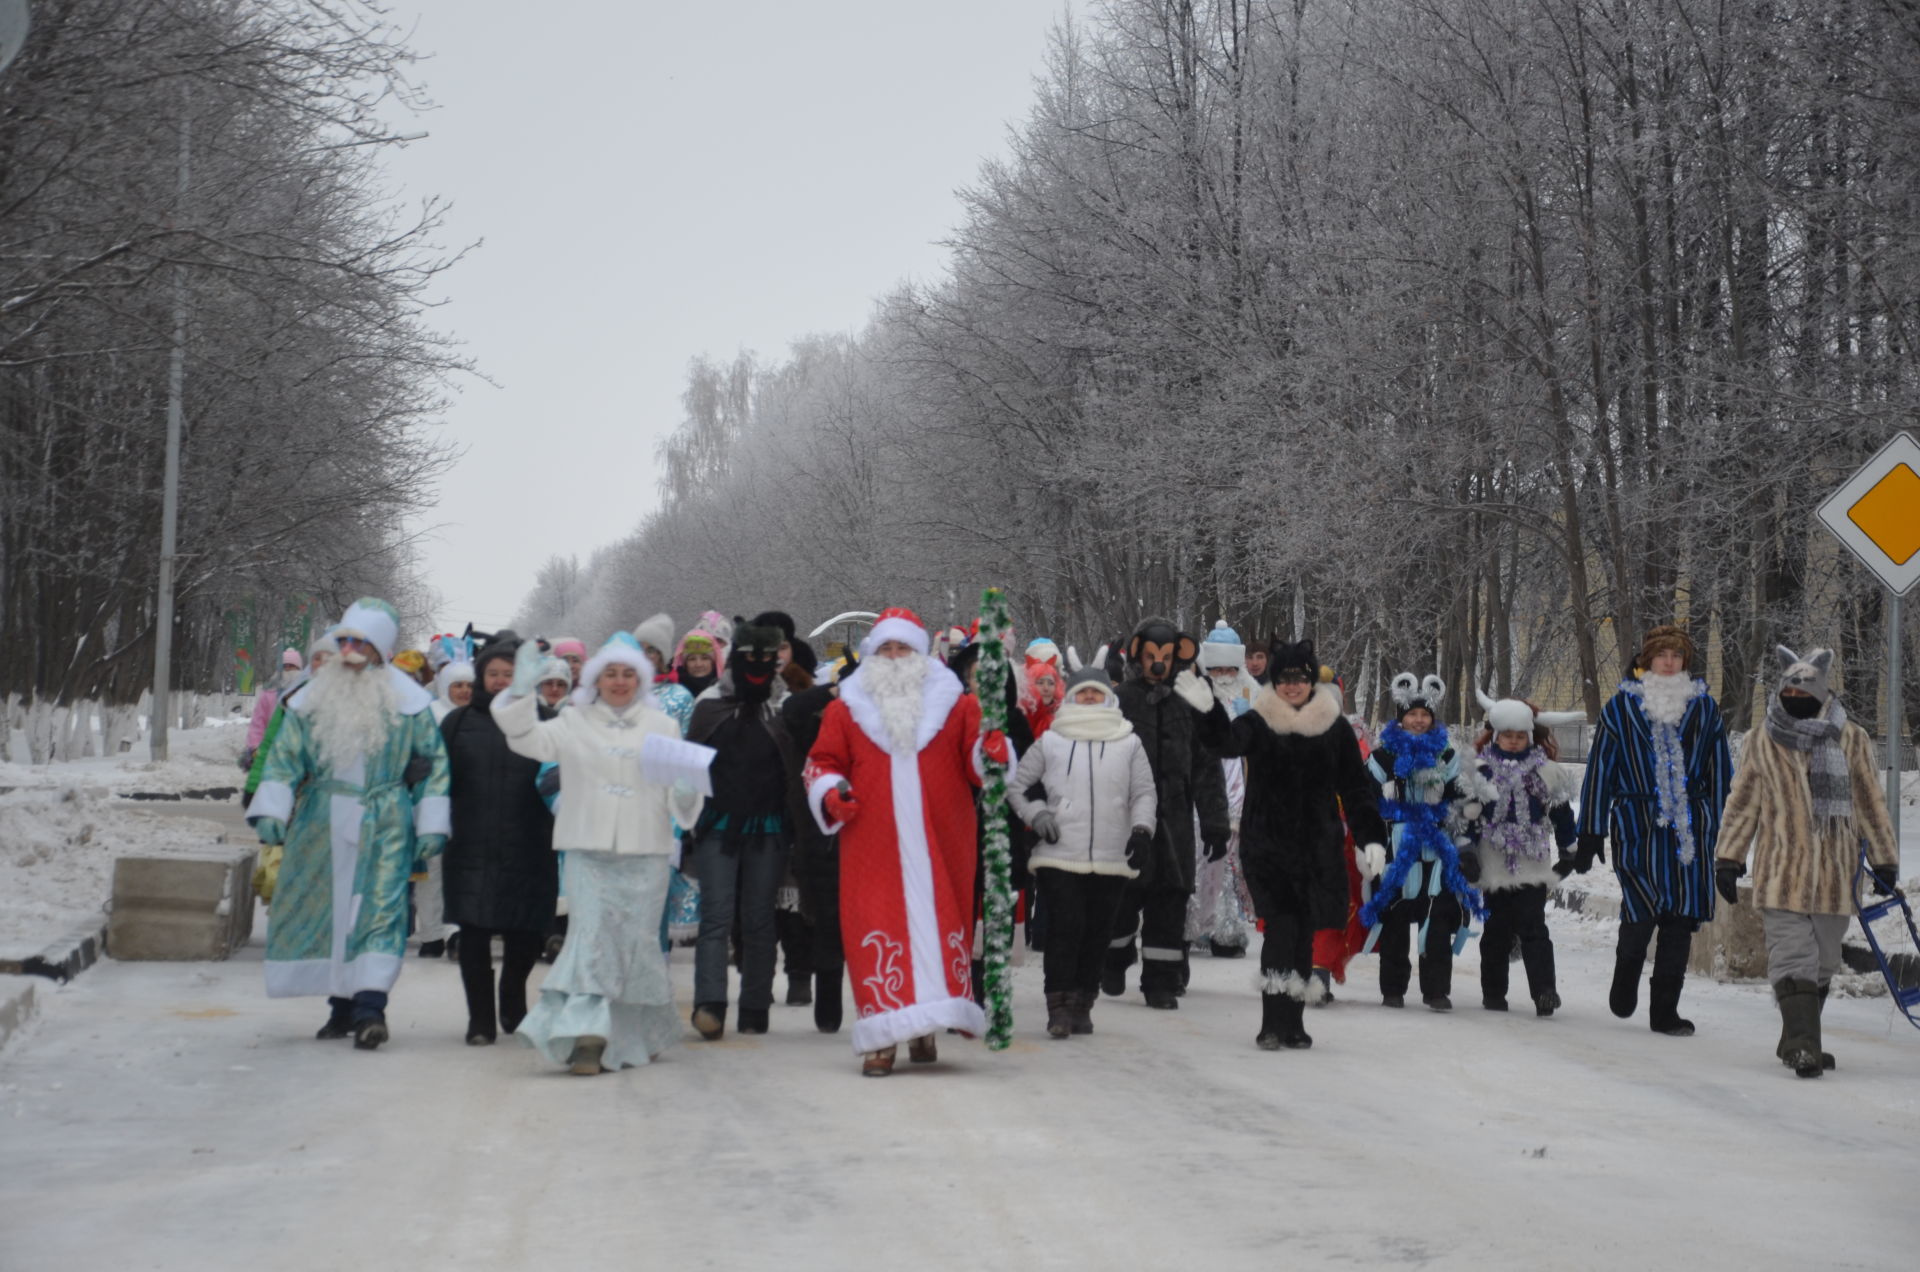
1080 910
522 951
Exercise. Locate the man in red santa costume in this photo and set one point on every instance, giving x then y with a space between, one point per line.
892 773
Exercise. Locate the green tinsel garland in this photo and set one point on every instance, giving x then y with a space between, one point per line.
991 671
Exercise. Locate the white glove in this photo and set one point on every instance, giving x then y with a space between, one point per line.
526 669
1197 692
1432 793
1391 790
1372 860
1471 810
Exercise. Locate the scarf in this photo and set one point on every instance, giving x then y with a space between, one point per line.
1080 723
1517 781
1818 738
1664 701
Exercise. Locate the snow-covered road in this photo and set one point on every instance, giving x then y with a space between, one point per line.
169 1116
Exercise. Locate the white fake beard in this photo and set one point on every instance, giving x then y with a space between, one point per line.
350 710
896 686
1666 697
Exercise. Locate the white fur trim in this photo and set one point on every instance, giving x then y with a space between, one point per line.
613 654
272 799
900 629
1310 719
1510 715
938 694
817 801
891 1028
433 816
1302 989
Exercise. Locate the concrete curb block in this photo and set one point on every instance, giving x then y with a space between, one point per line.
17 1005
66 956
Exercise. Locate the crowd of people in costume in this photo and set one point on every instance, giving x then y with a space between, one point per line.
728 790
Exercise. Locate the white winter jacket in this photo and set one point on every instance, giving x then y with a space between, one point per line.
1098 792
606 806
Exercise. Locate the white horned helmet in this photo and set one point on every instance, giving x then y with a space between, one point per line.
1516 715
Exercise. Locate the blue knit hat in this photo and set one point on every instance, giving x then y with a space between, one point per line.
1222 648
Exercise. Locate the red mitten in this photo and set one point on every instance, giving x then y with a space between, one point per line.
840 805
994 746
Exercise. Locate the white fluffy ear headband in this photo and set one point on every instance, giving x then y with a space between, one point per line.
1410 691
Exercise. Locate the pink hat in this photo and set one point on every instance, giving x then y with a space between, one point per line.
569 645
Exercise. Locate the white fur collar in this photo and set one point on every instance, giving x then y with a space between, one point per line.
938 693
1312 718
1665 698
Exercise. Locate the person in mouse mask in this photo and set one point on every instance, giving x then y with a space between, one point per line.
1178 722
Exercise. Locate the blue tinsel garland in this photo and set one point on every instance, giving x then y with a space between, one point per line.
1423 826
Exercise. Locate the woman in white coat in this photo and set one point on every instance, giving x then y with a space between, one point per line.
606 1003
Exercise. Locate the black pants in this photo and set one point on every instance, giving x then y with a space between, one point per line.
1676 943
1080 910
819 877
521 952
796 941
1159 915
1516 914
1397 926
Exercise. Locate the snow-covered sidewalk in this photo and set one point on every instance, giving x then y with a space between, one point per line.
169 1116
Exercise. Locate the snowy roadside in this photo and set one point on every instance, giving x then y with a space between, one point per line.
63 824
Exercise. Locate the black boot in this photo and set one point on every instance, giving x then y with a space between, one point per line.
1826 1058
370 1032
1272 1035
826 1001
1663 1006
1083 1010
1624 998
751 1021
1546 1003
1163 999
799 991
433 949
1060 1013
1293 1028
1799 1047
1227 951
339 1020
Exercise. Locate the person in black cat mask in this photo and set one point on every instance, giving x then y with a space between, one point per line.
740 848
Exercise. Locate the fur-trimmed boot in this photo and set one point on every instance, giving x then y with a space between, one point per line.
1272 1035
1799 1047
1083 1002
1663 1006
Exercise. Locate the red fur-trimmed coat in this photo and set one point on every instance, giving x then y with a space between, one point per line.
907 860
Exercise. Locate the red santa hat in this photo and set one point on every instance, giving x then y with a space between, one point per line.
896 624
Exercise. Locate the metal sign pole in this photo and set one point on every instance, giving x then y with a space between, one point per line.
1895 733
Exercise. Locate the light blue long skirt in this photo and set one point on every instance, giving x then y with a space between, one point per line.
610 980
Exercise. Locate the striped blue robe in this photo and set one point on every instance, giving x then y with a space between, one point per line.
1620 801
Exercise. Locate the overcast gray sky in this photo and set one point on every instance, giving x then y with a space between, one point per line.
657 180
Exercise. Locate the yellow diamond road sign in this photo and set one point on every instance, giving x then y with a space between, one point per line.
1877 513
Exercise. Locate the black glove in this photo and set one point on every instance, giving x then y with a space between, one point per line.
1046 825
1886 880
416 771
1726 880
1139 849
246 760
548 783
1592 848
1470 866
1216 844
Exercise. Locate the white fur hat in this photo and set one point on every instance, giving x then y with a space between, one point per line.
656 633
621 651
373 620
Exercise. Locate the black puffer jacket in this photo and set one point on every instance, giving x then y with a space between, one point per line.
1303 769
1179 742
499 868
